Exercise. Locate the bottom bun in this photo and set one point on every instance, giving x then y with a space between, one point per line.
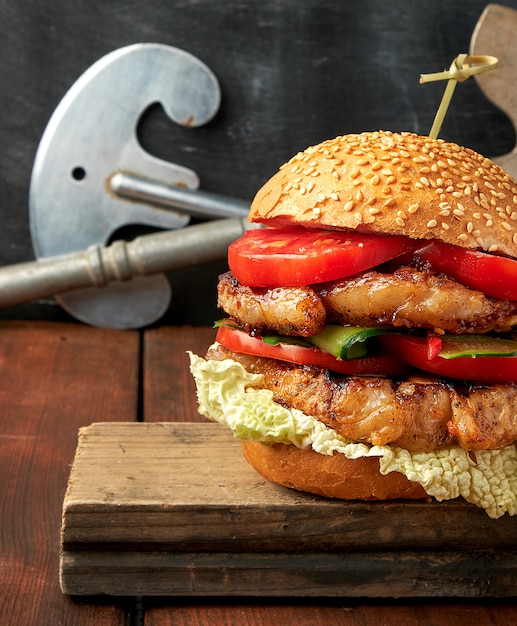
331 476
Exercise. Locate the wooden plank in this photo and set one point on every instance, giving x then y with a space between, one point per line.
179 503
169 389
329 611
55 378
369 574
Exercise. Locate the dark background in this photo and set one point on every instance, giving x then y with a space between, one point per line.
292 73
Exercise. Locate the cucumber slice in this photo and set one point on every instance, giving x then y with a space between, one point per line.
454 346
346 342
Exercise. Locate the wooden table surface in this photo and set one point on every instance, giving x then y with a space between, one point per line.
56 378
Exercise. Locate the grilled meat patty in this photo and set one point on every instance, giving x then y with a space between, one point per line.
418 414
408 297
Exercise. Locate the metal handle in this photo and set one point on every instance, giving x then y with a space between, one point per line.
97 266
194 202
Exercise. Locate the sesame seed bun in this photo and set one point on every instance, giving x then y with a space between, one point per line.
331 476
395 184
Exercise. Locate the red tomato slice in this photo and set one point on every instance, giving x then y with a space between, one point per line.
239 341
286 257
493 275
414 350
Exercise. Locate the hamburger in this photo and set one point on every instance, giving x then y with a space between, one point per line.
368 351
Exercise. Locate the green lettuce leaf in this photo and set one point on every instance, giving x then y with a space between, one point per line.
230 395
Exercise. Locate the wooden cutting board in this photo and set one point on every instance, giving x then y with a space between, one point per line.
496 34
174 509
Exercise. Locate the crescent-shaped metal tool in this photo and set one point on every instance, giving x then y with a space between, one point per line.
91 140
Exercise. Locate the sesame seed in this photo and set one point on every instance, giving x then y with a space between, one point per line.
462 237
310 186
373 211
470 227
302 190
354 173
400 222
376 166
413 208
492 248
432 223
349 206
322 197
334 196
506 226
445 226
